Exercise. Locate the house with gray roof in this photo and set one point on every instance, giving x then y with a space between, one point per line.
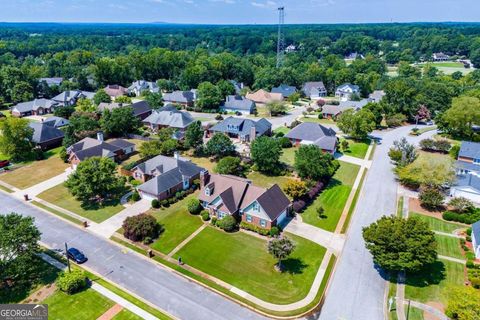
467 186
285 90
224 195
246 130
467 168
35 107
333 111
239 104
141 109
70 98
45 136
56 81
376 96
184 98
138 87
476 239
314 90
56 122
169 117
165 176
238 86
115 91
346 91
308 133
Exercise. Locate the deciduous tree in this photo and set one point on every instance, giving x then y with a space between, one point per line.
16 138
280 249
312 163
265 153
358 124
220 146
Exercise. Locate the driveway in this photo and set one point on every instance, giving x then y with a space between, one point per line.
157 285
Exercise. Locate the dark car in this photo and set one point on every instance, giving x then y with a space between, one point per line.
76 255
4 163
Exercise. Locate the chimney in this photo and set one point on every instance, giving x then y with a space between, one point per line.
176 155
100 136
204 178
253 133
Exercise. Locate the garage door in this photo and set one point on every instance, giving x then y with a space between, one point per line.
469 195
147 196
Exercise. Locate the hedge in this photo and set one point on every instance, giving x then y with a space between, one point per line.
72 282
467 218
254 228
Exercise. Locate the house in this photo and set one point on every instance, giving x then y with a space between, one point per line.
440 56
236 103
467 186
165 176
376 96
354 56
246 130
46 136
262 97
314 90
138 87
115 90
141 109
184 98
56 122
35 107
116 150
313 133
333 111
291 48
169 117
346 91
238 86
51 81
70 98
467 168
224 195
285 90
476 239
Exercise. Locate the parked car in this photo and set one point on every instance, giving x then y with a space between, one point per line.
76 255
4 163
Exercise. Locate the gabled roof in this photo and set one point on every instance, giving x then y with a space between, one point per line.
90 147
274 202
262 96
33 105
377 95
115 90
313 87
476 231
353 104
470 149
56 121
180 96
323 137
43 132
170 117
72 95
235 102
143 85
163 164
285 90
139 108
468 180
55 81
348 86
120 143
244 126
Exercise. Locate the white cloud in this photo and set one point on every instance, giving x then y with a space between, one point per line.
264 4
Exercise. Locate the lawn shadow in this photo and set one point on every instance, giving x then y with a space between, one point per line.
293 266
93 206
333 183
430 275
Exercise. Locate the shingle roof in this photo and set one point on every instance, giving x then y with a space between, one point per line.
315 133
244 126
51 81
317 86
285 90
72 95
468 180
464 165
347 86
476 231
164 164
43 132
56 121
90 147
139 108
262 96
33 105
121 143
115 90
274 202
170 117
236 102
470 149
143 85
180 96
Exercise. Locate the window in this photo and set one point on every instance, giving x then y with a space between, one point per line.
207 191
256 207
249 218
263 223
476 161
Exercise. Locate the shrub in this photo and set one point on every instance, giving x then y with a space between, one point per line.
218 117
285 142
294 124
321 212
461 204
138 228
298 206
431 198
135 196
194 206
295 188
227 223
164 203
467 218
72 282
469 231
155 204
279 134
147 240
252 227
274 231
214 221
205 215
63 155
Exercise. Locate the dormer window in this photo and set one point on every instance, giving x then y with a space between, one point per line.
209 189
255 206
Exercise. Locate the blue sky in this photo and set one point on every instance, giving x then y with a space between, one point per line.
238 11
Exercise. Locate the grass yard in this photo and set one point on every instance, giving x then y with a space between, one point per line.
333 198
60 196
178 225
261 180
34 173
282 129
126 315
87 304
288 156
203 162
448 246
433 283
437 224
316 120
357 149
243 261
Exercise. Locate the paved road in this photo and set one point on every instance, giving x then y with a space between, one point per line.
172 293
358 287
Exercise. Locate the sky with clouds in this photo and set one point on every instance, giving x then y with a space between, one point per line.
238 11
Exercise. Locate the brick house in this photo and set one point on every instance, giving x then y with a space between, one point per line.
313 133
34 108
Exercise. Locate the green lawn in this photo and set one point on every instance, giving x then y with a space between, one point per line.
437 224
357 149
316 120
447 64
414 314
60 196
288 156
282 129
87 305
433 283
448 246
203 162
333 198
126 315
243 261
178 225
261 180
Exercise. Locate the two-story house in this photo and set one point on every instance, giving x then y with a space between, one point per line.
245 130
467 168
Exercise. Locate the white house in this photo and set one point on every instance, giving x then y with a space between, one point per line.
476 239
346 91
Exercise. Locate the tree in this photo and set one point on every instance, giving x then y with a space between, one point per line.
95 181
194 135
227 223
461 117
276 108
344 144
377 109
265 153
461 204
220 146
431 198
150 149
85 105
280 249
294 97
82 125
71 282
123 99
295 188
229 165
312 163
429 171
119 122
423 113
64 112
101 96
463 303
401 244
358 124
226 88
194 206
21 91
209 96
16 138
141 227
18 248
154 100
402 152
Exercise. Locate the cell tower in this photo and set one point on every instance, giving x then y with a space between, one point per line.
281 38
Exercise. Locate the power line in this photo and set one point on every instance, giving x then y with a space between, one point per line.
281 38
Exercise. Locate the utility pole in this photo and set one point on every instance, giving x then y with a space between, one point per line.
280 37
68 259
